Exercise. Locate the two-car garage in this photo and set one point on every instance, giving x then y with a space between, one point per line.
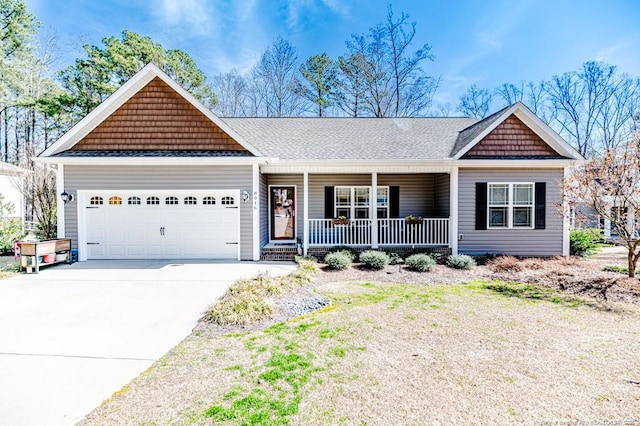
181 224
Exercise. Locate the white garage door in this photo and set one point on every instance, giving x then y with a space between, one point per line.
162 225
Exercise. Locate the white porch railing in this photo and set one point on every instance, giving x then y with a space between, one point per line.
323 232
391 232
428 232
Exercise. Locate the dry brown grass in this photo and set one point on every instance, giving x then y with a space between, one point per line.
407 354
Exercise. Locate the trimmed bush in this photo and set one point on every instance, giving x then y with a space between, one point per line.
584 242
461 261
346 250
420 262
374 259
338 260
395 258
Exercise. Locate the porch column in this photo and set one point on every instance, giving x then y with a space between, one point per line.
305 213
255 212
374 213
59 203
453 210
631 218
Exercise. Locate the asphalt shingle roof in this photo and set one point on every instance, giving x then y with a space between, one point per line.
471 132
352 138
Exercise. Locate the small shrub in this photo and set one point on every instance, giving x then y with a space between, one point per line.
10 231
584 242
374 259
461 261
346 250
338 260
505 264
395 259
420 262
440 258
307 264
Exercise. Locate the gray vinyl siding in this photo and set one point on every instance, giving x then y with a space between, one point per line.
296 180
442 195
525 242
264 211
317 182
161 177
417 191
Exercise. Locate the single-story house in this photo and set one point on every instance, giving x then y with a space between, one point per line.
11 180
155 174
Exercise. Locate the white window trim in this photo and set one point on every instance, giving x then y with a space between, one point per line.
352 207
510 205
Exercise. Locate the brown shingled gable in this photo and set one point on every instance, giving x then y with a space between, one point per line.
511 138
157 118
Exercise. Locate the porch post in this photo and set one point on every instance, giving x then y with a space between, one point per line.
305 214
256 212
453 210
374 212
59 203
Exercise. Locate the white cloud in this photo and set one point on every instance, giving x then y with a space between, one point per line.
190 13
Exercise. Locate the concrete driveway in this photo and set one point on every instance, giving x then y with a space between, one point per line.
74 334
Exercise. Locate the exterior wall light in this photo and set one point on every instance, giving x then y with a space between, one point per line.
245 196
66 197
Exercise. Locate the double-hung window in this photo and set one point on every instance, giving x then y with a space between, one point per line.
510 205
354 202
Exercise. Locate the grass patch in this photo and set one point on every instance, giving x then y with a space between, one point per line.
6 274
9 267
530 292
247 301
616 268
278 384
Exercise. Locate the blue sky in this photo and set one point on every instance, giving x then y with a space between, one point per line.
483 42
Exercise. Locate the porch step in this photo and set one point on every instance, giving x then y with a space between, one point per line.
288 253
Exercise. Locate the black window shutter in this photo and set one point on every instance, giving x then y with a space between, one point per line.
481 205
328 202
394 201
541 204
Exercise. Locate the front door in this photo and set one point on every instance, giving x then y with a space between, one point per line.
283 212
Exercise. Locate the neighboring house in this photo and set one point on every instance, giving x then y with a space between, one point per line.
154 174
11 180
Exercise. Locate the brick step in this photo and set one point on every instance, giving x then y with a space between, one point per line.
279 253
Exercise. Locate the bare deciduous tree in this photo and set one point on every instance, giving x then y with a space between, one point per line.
394 82
610 187
39 191
274 80
510 93
593 107
230 89
475 102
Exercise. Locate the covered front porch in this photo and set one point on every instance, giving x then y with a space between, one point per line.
380 210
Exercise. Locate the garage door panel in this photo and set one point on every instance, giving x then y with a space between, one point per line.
156 231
